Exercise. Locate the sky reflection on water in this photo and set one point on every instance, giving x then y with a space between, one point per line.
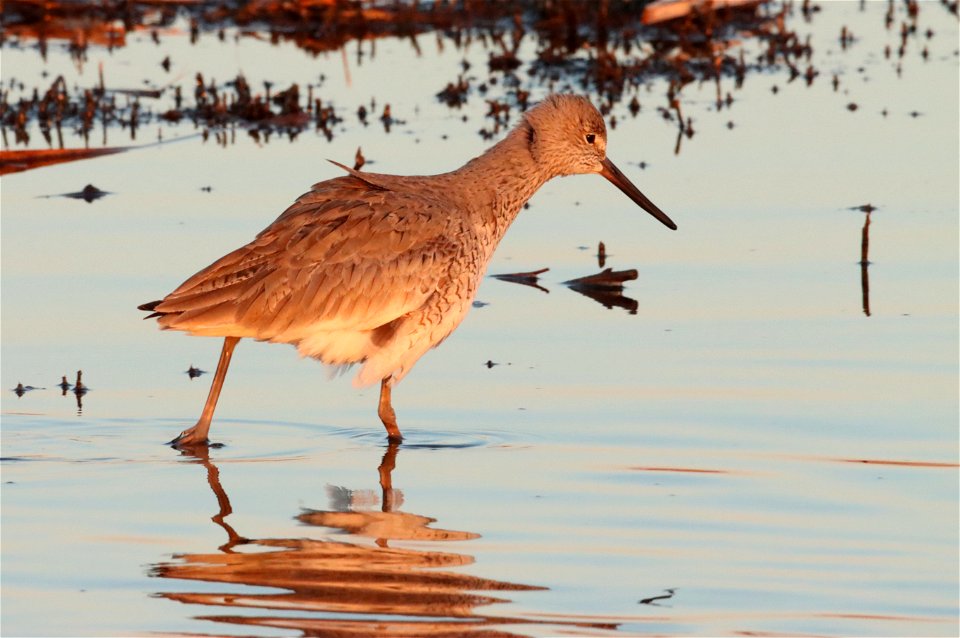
750 438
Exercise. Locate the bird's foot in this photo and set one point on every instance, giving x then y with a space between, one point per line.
190 438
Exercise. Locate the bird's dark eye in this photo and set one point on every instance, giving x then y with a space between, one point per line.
591 138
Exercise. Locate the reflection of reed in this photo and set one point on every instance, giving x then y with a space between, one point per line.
329 578
610 299
79 389
525 278
864 264
606 288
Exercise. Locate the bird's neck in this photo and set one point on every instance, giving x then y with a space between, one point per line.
503 179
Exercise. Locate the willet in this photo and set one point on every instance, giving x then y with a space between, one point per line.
377 269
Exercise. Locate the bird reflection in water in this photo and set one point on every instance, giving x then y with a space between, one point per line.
394 591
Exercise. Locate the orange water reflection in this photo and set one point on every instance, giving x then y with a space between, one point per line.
394 591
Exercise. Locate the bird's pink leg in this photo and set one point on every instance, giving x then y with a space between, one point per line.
197 435
387 415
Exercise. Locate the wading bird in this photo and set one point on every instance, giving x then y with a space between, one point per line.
377 269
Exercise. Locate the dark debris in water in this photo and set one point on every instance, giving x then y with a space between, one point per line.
77 388
606 288
89 194
607 279
525 278
608 49
655 600
216 107
21 389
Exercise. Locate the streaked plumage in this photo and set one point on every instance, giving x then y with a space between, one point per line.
377 269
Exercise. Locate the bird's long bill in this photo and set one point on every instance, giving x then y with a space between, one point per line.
620 180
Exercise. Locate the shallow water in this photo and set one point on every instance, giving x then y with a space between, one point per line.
766 445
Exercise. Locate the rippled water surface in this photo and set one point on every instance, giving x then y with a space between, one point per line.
762 439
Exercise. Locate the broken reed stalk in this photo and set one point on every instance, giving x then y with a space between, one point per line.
607 279
522 277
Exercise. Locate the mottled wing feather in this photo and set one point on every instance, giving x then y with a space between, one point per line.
344 256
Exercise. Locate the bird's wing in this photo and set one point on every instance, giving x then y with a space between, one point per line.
345 256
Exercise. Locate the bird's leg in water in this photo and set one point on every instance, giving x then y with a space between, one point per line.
387 415
197 435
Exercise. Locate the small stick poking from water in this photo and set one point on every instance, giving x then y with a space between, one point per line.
78 387
865 242
359 160
602 255
79 390
386 118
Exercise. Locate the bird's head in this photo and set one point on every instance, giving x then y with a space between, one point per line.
567 136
